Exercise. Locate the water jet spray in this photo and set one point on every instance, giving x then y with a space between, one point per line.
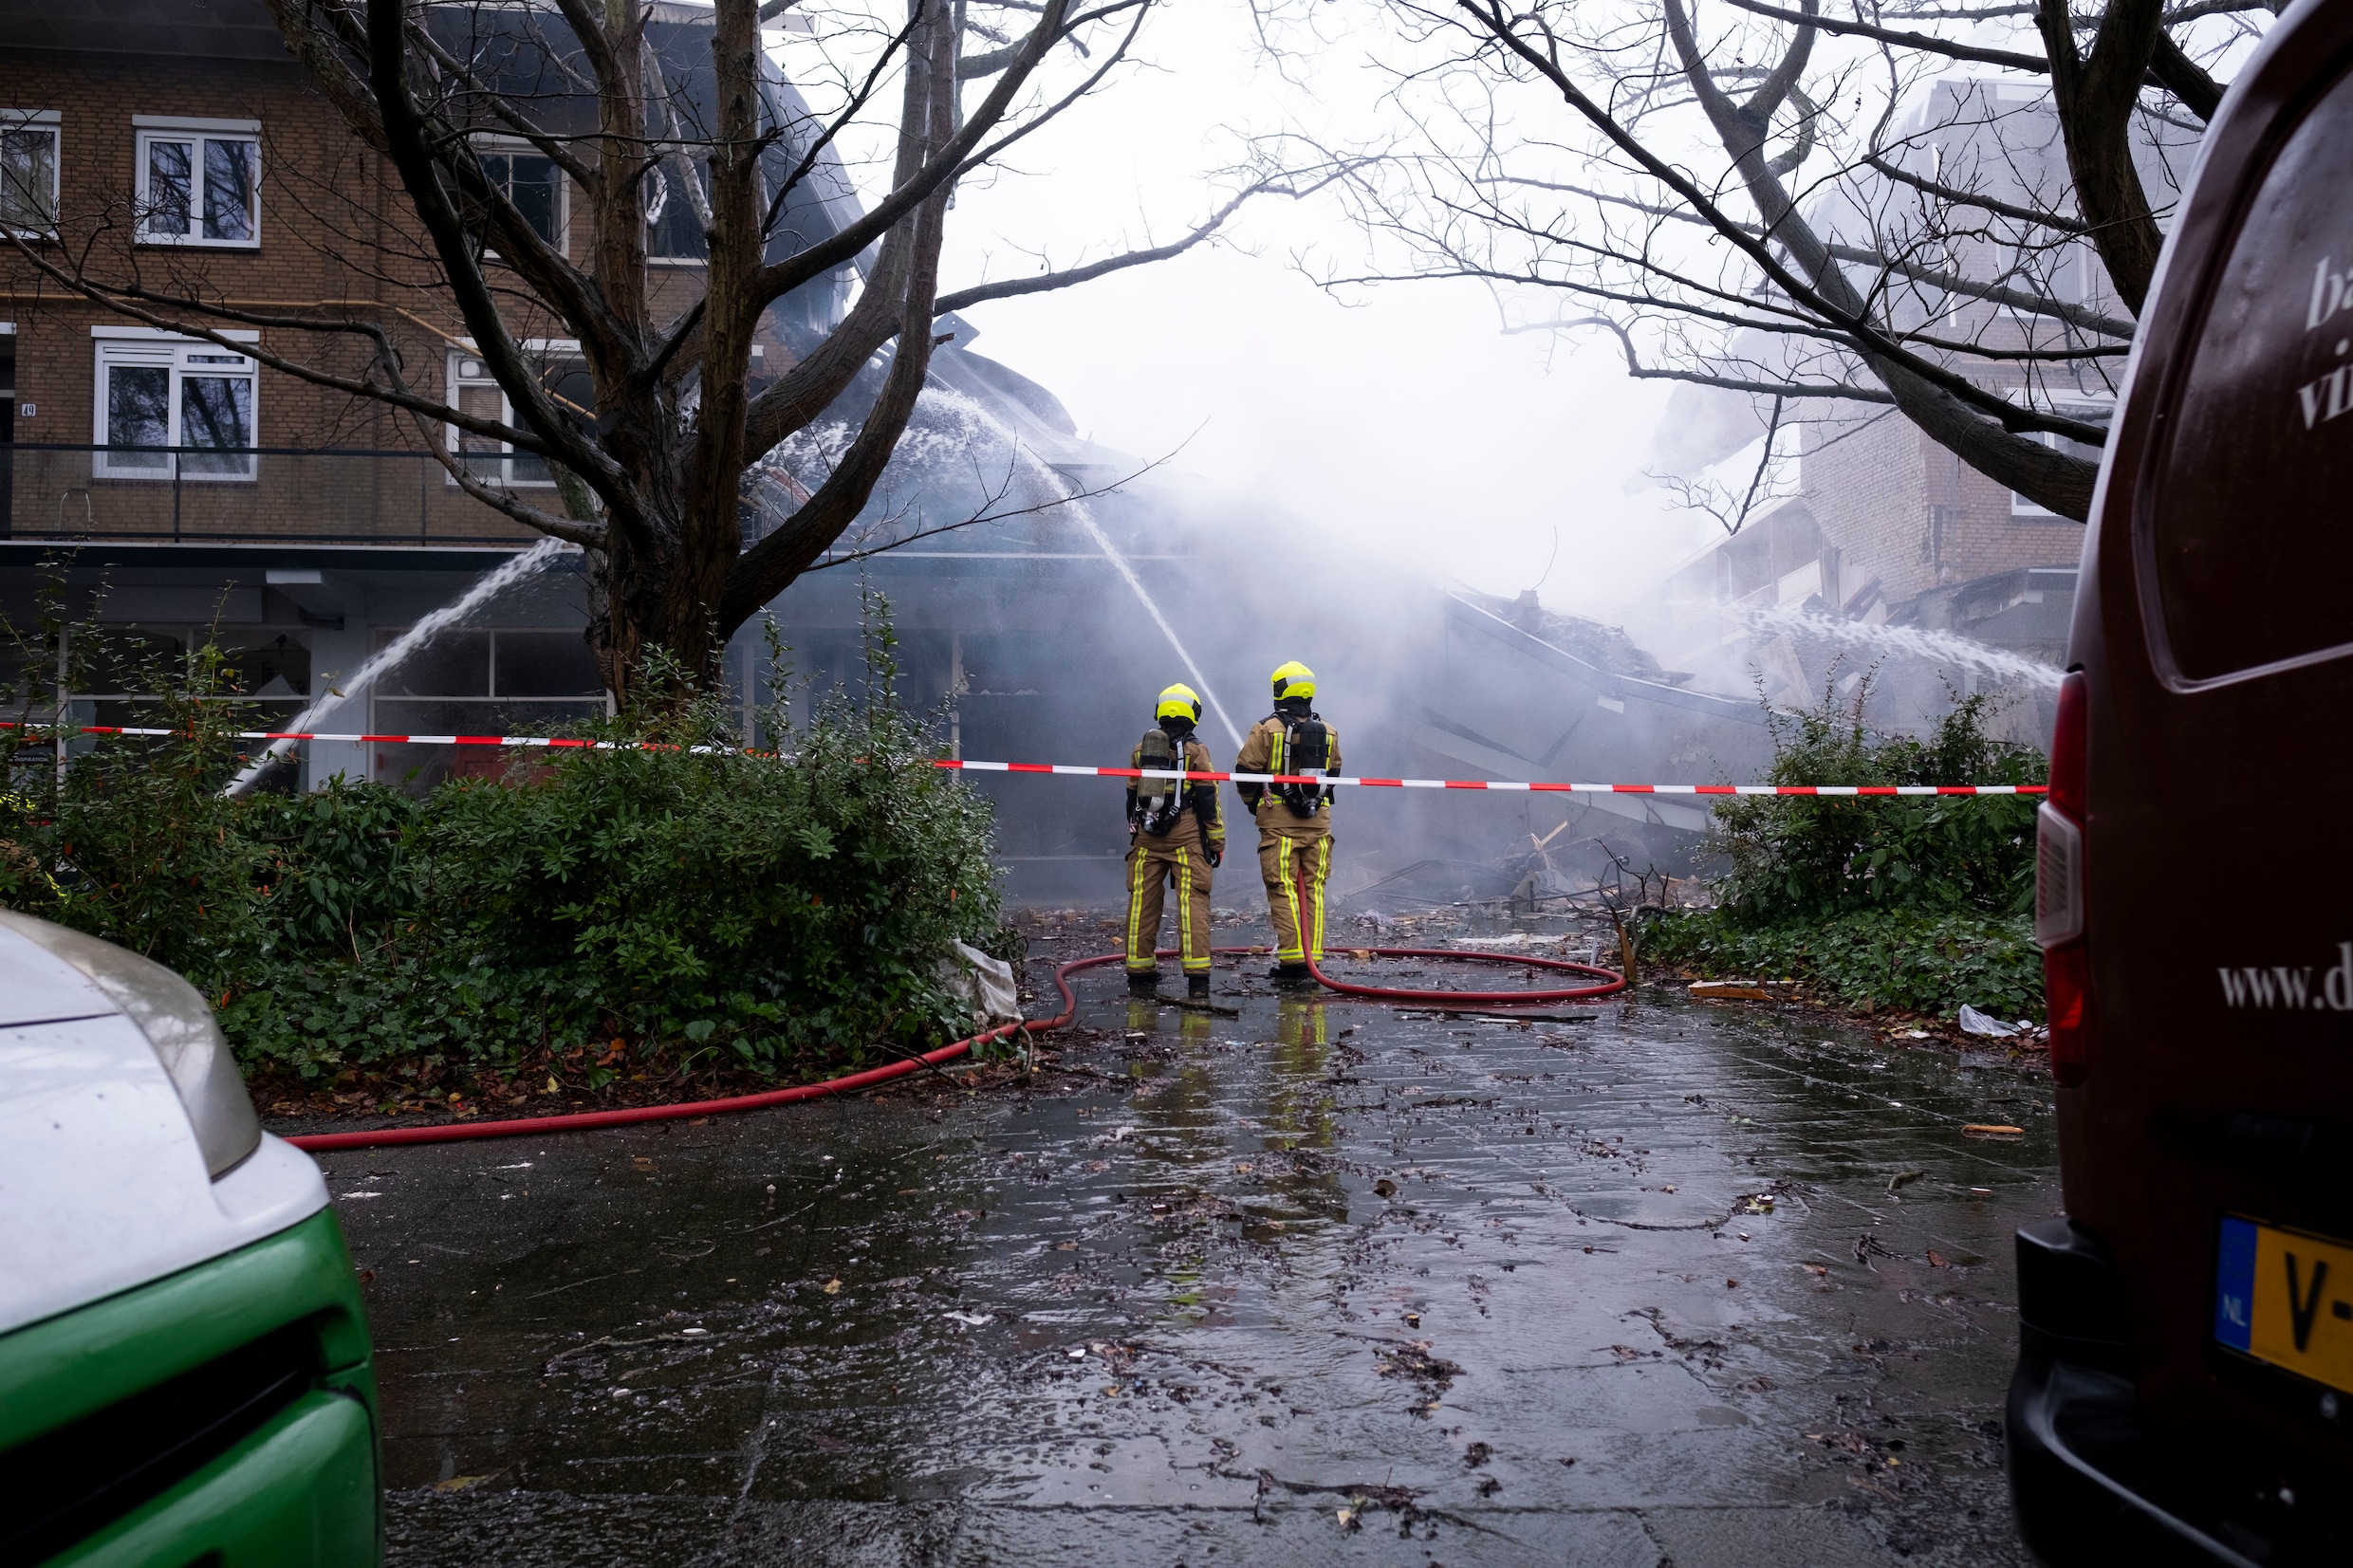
507 574
1055 484
1917 641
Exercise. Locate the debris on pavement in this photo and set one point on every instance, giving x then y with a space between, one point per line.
1730 991
1142 1285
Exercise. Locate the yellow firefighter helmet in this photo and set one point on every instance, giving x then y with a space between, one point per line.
1179 702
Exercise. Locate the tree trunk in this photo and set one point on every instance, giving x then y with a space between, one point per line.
682 588
2096 98
663 602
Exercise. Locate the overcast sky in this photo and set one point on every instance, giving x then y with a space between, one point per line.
1404 421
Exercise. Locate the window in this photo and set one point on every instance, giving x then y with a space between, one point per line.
2076 280
28 172
674 229
2097 414
475 391
199 181
534 183
478 681
156 393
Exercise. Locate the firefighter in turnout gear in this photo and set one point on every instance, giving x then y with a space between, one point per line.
1294 821
1177 837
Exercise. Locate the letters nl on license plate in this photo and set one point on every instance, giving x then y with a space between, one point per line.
2286 1297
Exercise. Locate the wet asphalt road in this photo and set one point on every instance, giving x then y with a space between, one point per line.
1680 1283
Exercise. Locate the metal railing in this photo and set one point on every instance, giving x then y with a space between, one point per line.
315 495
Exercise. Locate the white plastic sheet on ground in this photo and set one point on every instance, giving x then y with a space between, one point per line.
1975 1023
985 984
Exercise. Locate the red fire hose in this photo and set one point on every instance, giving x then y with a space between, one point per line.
1611 981
457 1132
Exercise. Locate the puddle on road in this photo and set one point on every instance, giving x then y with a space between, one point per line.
1720 1283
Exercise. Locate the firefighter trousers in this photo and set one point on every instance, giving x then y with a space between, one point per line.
1156 861
1297 912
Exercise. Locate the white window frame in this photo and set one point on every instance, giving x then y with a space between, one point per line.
137 347
466 369
14 120
147 130
2080 405
517 147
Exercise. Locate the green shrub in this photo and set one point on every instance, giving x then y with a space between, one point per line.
1905 959
667 889
132 839
1811 858
1908 902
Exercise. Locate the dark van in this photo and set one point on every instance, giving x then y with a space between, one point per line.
2185 1391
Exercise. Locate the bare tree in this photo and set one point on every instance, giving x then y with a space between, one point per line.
655 115
1832 215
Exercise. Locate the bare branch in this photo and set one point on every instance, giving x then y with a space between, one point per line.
980 66
1932 381
2011 299
557 148
814 261
1037 121
2097 94
2008 60
504 501
171 314
1046 282
761 572
991 513
2184 78
1638 371
1971 198
406 137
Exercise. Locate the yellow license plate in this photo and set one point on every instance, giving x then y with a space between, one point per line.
2286 1298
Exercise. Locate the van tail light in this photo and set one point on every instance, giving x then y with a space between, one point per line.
2059 894
2066 998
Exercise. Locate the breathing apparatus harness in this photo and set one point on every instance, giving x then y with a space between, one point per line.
1303 745
1161 802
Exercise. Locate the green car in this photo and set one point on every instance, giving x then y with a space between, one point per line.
184 1365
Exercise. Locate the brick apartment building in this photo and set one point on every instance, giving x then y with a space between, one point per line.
181 142
1885 526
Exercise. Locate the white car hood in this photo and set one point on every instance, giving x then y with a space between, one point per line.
102 1184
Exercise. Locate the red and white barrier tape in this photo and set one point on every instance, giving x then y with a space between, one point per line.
1073 771
1502 783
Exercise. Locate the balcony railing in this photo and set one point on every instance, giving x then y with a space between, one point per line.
313 495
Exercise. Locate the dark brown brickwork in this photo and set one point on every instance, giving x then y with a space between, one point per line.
335 240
